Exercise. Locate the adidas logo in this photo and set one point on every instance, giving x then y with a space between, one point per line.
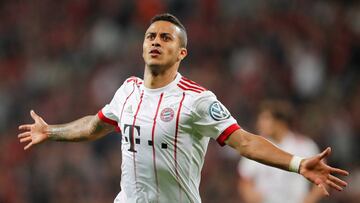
129 109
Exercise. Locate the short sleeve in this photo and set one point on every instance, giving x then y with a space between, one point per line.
212 119
110 112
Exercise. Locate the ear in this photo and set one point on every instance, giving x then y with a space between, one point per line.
183 53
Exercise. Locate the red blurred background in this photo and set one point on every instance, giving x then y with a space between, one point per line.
66 58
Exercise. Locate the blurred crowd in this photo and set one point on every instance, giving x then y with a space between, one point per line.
65 59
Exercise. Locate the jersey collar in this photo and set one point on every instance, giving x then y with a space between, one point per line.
162 89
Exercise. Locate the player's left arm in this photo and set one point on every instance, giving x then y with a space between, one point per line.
261 150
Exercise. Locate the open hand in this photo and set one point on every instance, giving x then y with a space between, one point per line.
321 174
34 133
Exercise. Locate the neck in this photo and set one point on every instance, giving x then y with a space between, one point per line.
157 78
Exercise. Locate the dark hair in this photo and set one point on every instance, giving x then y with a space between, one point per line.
172 19
280 110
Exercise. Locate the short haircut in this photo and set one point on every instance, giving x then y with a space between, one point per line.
172 19
280 110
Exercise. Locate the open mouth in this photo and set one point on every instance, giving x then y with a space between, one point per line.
155 52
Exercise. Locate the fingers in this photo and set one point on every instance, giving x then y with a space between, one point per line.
339 171
25 127
26 139
24 134
34 115
337 181
28 146
333 185
323 188
325 153
28 126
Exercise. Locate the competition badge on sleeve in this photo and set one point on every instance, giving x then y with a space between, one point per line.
218 111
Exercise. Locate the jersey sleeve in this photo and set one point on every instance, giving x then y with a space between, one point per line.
212 119
110 112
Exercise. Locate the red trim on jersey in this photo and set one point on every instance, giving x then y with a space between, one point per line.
190 89
105 119
182 82
153 141
189 85
132 78
226 133
135 79
133 138
175 141
108 120
192 82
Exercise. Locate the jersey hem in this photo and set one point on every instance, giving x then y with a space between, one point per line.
102 117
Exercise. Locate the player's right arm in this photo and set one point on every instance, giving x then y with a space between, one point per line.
86 128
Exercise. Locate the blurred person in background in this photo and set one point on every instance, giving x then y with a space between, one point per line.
261 184
166 121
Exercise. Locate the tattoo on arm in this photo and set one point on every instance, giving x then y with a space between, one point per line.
86 128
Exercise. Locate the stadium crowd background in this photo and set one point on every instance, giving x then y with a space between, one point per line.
65 59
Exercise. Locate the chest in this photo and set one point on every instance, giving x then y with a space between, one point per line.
147 120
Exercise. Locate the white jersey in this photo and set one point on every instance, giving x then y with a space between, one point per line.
275 185
165 133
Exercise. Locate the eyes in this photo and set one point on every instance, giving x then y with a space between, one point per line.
163 36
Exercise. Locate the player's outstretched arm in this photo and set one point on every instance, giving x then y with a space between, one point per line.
314 168
86 128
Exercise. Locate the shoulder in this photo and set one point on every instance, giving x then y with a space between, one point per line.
194 92
200 100
133 80
129 85
190 86
192 89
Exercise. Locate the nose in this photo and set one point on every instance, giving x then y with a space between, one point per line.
156 43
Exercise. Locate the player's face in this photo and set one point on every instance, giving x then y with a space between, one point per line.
161 47
266 123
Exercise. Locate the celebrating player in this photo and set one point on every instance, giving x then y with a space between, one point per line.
166 121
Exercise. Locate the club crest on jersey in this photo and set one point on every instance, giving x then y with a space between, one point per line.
218 112
167 114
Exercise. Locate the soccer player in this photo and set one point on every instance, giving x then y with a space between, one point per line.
261 184
166 121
